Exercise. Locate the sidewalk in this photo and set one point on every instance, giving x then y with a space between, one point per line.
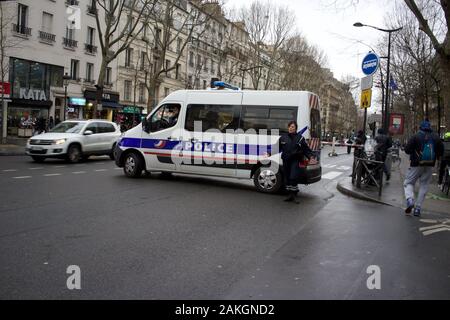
11 150
392 195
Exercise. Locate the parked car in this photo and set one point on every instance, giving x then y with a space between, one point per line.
75 140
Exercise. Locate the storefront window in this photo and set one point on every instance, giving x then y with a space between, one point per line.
56 79
37 76
19 77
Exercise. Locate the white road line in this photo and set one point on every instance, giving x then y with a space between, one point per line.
10 170
60 166
345 168
22 177
331 166
78 172
98 170
427 233
331 175
52 174
117 168
37 168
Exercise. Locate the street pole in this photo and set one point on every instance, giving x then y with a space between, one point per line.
365 121
65 102
386 105
242 82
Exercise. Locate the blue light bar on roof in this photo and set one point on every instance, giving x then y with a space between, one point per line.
225 85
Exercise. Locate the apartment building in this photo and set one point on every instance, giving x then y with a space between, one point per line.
52 39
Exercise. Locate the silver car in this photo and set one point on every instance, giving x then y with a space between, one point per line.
75 140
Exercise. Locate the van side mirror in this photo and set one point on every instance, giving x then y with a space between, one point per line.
146 125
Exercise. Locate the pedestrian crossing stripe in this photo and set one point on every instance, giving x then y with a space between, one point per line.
331 175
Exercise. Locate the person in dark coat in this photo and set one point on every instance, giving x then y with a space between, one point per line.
384 142
294 149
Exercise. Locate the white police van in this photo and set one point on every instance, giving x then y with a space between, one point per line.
223 133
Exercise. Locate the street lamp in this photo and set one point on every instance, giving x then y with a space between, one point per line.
243 74
66 79
386 104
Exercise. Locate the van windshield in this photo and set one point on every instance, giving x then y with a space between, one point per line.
68 127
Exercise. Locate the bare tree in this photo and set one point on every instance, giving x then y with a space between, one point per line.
269 27
173 23
434 20
7 42
114 35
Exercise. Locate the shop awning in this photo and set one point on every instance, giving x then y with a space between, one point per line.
110 104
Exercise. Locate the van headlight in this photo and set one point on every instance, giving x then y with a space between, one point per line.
59 141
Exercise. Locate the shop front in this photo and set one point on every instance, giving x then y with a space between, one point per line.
75 108
27 115
110 105
29 108
129 117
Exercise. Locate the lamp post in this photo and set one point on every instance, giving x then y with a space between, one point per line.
66 79
386 103
243 74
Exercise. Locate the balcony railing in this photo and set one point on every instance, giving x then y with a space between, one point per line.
90 48
70 43
72 2
22 29
48 37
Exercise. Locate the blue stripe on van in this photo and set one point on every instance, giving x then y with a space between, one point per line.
244 149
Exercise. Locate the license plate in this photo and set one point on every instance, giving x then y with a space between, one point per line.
36 148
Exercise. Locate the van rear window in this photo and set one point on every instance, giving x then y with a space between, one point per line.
315 129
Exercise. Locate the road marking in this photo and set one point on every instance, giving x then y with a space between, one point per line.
331 166
10 170
22 177
99 163
52 174
439 226
78 172
117 168
345 168
60 166
331 175
36 168
98 170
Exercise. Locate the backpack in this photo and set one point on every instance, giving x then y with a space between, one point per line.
427 156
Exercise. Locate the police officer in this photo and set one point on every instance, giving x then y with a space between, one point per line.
294 149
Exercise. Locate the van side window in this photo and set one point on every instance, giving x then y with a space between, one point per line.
219 117
268 118
165 117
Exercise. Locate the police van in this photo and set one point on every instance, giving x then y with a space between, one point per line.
225 133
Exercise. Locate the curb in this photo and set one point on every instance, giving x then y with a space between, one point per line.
359 195
12 153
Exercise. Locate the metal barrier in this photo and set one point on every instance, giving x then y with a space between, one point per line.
367 171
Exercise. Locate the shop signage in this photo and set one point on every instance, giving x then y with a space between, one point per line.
32 94
77 101
396 123
5 88
131 109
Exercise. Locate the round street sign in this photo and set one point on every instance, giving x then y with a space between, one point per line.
370 63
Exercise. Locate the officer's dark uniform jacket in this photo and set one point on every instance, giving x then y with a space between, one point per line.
293 150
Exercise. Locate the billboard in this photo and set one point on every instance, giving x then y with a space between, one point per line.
396 123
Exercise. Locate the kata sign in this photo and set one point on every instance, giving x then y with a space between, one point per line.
370 63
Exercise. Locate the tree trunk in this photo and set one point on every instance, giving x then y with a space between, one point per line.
445 91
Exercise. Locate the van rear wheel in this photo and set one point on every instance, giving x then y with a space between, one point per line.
267 180
133 165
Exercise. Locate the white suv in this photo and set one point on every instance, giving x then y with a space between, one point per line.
75 140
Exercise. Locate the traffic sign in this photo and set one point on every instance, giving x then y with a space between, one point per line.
367 82
370 63
366 98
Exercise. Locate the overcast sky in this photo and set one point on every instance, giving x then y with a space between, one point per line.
331 28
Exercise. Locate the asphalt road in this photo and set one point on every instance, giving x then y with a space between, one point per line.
191 237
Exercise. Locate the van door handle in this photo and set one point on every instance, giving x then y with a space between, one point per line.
171 139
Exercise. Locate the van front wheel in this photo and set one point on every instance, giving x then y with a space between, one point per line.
267 181
133 166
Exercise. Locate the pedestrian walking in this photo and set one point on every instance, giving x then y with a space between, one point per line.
51 123
445 159
384 142
424 148
294 149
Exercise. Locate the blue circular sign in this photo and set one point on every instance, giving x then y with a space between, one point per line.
370 63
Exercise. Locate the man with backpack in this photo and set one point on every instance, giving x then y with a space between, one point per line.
424 148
